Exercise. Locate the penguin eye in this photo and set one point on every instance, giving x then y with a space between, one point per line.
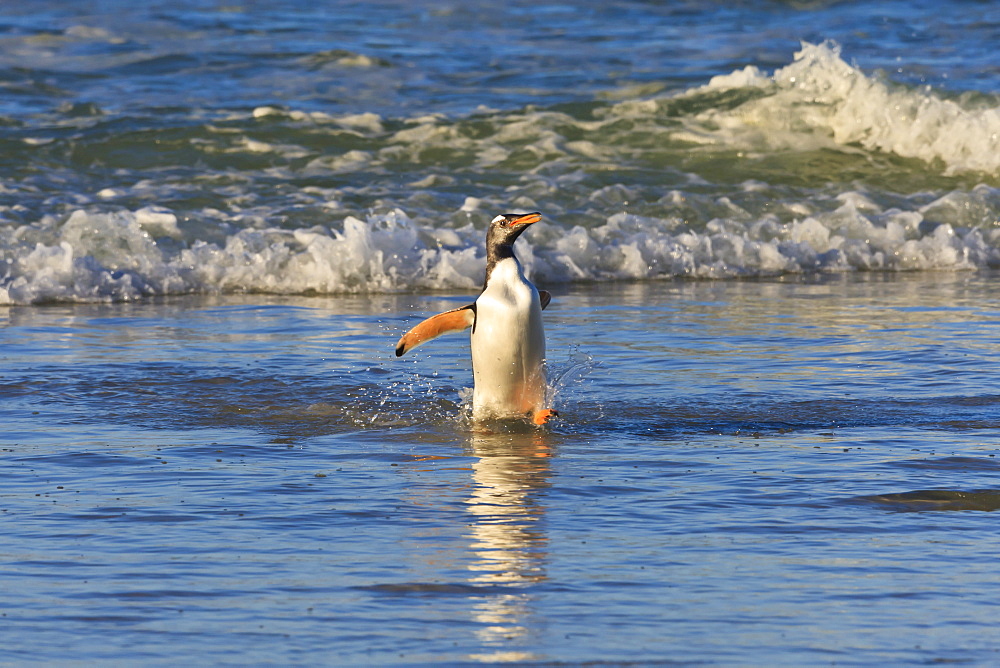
501 220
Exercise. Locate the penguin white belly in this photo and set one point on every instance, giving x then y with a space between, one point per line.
508 346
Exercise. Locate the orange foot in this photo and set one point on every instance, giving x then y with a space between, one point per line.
543 416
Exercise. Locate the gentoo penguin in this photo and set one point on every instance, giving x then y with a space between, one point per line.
508 344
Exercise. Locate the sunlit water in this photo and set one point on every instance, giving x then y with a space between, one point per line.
780 472
771 232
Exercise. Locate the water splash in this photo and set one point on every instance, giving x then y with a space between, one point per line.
568 383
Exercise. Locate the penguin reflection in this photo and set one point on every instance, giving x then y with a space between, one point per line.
507 536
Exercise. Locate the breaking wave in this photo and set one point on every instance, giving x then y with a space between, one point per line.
118 256
820 99
615 207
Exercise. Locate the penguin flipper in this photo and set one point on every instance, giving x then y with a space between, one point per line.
545 296
450 321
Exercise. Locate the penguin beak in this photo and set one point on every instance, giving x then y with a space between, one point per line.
526 219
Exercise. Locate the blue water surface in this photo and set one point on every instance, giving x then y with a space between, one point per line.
789 468
775 472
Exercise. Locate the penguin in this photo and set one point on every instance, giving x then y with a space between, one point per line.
508 342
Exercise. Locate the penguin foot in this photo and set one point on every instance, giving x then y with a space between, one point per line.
543 416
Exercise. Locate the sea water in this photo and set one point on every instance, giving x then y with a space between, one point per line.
771 232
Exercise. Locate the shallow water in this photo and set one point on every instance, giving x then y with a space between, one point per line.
779 472
772 231
188 147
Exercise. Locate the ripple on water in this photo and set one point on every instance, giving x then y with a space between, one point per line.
936 500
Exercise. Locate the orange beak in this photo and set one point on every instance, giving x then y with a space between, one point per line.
527 219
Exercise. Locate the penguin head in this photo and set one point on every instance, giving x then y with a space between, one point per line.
507 227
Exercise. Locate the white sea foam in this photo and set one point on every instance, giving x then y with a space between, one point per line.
364 122
129 255
249 243
821 99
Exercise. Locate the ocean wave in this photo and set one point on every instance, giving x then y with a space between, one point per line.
820 99
134 254
360 203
